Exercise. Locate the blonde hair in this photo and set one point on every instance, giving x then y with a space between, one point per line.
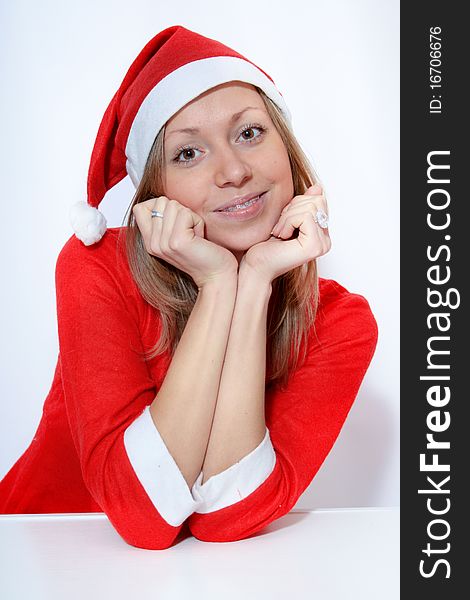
294 298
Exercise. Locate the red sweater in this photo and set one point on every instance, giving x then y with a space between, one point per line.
97 449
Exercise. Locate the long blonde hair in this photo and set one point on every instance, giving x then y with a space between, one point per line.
294 298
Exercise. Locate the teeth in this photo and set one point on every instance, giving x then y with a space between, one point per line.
239 206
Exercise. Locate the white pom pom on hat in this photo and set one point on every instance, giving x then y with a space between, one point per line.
173 68
88 223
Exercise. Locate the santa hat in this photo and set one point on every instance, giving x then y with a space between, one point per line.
174 67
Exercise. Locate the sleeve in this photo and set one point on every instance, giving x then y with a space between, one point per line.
238 481
108 389
303 420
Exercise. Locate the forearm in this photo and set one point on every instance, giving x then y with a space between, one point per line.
239 420
184 406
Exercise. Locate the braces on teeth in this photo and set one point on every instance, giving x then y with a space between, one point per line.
244 205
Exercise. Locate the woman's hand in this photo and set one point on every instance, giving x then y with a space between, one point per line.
279 254
178 238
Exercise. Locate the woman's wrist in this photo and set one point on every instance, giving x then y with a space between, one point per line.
249 278
227 281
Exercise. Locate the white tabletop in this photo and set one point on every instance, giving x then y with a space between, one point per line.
330 554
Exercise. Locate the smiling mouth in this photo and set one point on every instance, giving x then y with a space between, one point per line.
241 206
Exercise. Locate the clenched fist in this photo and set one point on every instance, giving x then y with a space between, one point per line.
178 238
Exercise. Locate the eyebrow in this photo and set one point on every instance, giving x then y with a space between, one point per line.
233 118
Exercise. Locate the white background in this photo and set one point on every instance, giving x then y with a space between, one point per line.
337 64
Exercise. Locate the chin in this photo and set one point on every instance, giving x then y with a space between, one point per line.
249 241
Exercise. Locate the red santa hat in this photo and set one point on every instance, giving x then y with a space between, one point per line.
174 67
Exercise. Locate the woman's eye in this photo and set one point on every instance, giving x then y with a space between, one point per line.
248 133
185 155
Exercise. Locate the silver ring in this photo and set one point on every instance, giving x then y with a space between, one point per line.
321 219
155 213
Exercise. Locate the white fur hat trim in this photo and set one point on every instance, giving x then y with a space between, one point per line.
88 223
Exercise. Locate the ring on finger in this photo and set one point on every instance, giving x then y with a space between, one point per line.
156 213
321 218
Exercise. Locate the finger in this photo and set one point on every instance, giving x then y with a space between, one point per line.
307 205
161 236
314 202
199 228
184 228
159 206
307 197
314 241
309 245
142 215
314 189
321 202
290 223
198 223
156 223
297 221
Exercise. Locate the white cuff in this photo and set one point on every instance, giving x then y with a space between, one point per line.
157 470
238 481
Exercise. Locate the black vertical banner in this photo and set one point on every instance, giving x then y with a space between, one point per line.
435 234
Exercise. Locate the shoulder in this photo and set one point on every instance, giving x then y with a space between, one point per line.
105 260
109 250
75 250
343 313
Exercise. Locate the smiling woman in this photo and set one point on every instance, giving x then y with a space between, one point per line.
237 150
205 370
265 164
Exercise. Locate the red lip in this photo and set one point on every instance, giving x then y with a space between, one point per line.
238 200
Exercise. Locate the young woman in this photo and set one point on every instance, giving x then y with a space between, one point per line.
205 370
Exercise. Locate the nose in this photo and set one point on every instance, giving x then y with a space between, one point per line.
231 168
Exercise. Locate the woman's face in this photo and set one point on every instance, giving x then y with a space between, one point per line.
230 150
